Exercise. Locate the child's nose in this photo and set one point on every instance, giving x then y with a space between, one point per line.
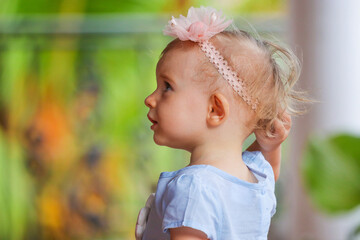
150 101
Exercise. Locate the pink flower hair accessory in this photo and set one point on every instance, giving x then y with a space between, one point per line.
199 26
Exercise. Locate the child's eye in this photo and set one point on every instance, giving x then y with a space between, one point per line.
167 87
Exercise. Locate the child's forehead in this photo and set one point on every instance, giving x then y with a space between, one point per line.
179 62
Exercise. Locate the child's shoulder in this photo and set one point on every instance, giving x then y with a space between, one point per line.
190 178
211 178
258 164
191 170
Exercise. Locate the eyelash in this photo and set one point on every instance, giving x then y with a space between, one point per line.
167 86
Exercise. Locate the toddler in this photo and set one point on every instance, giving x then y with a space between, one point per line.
214 88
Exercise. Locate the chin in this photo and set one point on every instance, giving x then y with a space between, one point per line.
158 141
165 142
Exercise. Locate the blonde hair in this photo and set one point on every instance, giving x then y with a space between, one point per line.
269 71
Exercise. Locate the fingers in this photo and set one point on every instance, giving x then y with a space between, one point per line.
279 128
260 134
286 119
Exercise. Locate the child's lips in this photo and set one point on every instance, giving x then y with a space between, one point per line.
153 126
152 120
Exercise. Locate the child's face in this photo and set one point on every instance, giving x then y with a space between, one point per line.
178 106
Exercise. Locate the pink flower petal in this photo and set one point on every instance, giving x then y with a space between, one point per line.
200 24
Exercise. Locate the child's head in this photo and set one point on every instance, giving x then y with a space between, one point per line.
256 63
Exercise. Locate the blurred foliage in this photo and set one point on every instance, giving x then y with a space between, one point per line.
77 160
136 6
264 6
331 169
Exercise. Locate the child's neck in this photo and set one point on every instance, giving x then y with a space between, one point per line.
215 155
227 158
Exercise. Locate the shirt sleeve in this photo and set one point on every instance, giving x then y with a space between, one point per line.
188 202
257 160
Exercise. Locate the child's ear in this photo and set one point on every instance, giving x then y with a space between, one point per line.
218 110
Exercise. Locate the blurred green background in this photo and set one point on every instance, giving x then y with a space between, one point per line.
77 159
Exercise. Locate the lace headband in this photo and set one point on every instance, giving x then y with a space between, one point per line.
199 26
